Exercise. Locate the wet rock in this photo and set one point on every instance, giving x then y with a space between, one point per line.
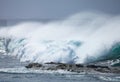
74 67
33 65
50 63
97 66
79 65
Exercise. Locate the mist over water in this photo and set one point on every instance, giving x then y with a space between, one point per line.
72 40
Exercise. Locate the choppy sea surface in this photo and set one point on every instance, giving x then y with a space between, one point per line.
11 70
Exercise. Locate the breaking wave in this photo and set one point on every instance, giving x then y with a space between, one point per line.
81 38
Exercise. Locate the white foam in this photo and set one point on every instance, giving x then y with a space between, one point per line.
24 70
51 42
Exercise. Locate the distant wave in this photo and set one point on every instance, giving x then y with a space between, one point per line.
81 38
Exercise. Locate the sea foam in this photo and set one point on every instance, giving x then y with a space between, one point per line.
76 39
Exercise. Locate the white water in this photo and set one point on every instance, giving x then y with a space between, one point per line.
72 40
24 70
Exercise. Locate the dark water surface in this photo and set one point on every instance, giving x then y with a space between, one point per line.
12 77
6 75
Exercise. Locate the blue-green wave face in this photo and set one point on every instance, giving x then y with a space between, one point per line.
113 55
114 52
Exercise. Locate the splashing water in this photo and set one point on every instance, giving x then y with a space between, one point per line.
76 39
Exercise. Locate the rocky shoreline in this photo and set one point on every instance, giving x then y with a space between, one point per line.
74 67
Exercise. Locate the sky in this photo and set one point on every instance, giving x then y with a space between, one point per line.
54 9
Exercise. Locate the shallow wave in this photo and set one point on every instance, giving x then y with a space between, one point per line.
24 70
110 78
99 76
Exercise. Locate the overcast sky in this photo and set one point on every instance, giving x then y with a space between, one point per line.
54 9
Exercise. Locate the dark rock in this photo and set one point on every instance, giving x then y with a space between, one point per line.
50 63
33 65
62 66
79 65
74 67
92 66
97 66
